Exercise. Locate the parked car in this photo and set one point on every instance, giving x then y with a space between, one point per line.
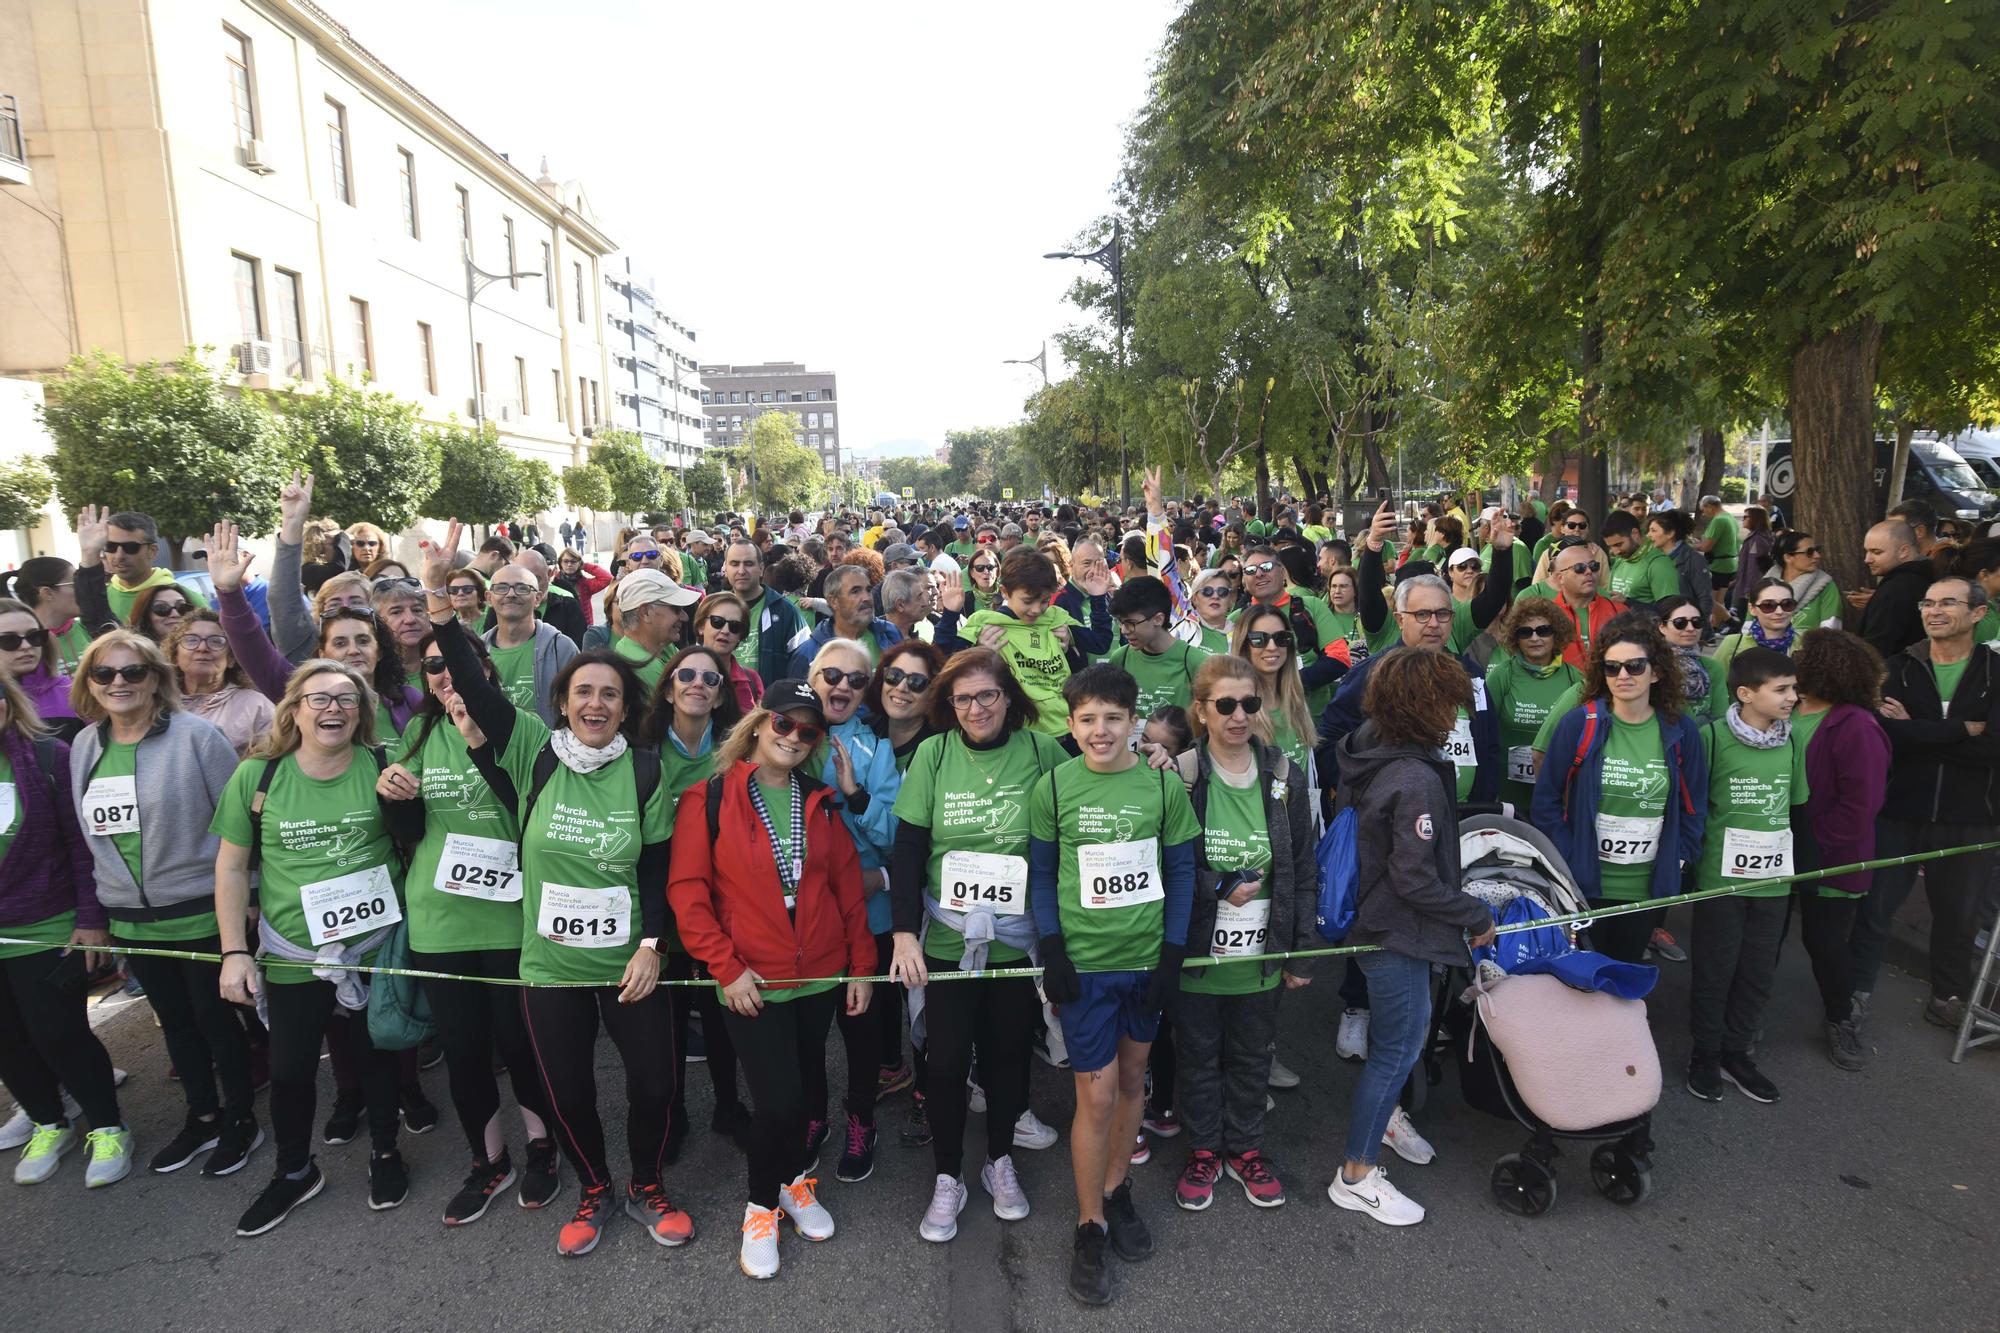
1936 474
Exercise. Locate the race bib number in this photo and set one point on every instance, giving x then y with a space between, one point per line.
1120 874
1240 931
1749 854
585 918
1625 841
487 868
349 905
111 806
1458 748
984 879
1521 764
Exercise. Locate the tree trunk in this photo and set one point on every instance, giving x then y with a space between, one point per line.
1379 477
1711 461
1592 479
1833 444
1263 480
1899 462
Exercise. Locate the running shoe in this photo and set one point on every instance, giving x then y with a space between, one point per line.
1741 1072
1843 1045
809 1217
345 1122
1142 1153
916 1131
1010 1201
1704 1076
419 1116
1030 1132
1089 1272
1163 1123
475 1196
388 1181
239 1138
1352 1041
649 1207
1666 946
892 1079
1252 1170
948 1196
1281 1077
1375 1197
1402 1137
758 1256
110 1157
278 1200
46 1148
1131 1238
20 1128
1947 1011
541 1177
857 1159
1196 1190
197 1136
579 1235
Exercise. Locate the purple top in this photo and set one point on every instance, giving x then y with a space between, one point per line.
48 691
1847 771
47 869
270 670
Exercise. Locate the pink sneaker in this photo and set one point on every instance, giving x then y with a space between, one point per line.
1252 1170
1197 1185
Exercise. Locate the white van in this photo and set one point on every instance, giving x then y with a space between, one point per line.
1981 451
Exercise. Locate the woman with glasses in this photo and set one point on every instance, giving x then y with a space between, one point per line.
1773 623
48 585
1526 682
146 779
720 622
1798 562
1214 604
467 590
302 812
897 702
1623 789
1264 638
213 687
784 904
28 654
367 543
582 579
157 610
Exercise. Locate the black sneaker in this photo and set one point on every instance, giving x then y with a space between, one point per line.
196 1137
697 1047
1089 1274
430 1055
1748 1079
485 1180
239 1138
388 1181
732 1120
916 1130
1130 1236
1704 1077
419 1116
857 1158
677 1132
275 1204
1843 1045
542 1176
345 1122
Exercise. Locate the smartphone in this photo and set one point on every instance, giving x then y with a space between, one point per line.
1381 494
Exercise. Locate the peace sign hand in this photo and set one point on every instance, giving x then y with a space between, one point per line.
294 503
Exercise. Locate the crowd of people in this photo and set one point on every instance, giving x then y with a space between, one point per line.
1091 749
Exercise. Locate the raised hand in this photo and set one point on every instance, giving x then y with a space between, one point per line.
437 555
91 533
843 767
396 784
228 562
951 591
1382 526
1095 579
1154 503
294 503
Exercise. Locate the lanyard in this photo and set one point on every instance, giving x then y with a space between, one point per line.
791 867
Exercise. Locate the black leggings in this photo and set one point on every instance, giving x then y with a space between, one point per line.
783 1051
203 1032
1824 926
873 1038
473 1020
301 1015
46 1043
720 1050
998 1016
562 1030
1164 1065
1626 936
345 1057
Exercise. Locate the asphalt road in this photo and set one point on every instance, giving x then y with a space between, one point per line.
1864 1200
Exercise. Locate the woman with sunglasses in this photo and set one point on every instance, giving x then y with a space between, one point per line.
1264 638
47 583
367 543
1623 789
28 654
1527 681
897 702
157 610
1798 559
785 905
146 778
584 580
467 589
213 687
1214 604
593 860
983 571
1772 624
720 622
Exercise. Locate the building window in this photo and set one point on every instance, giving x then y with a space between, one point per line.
288 304
704 396
242 85
797 397
249 303
562 405
579 294
521 382
336 143
427 358
812 421
583 401
364 345
813 439
596 406
507 229
548 275
406 165
812 395
826 420
465 218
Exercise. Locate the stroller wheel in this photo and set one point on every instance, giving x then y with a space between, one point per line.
1619 1176
1523 1185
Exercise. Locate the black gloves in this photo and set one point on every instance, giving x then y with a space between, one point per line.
1059 983
1165 987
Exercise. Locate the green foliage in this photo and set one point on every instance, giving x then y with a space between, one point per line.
370 458
1068 434
170 440
930 479
539 491
673 494
707 486
479 478
25 487
1734 490
634 475
586 486
783 474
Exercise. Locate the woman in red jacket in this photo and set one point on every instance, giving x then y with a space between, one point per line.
776 923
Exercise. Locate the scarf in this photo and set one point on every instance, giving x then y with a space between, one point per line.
1783 645
1694 675
1808 586
581 758
1780 733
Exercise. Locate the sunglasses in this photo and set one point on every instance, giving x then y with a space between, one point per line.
1634 667
641 555
1782 604
728 626
1251 705
1576 527
1212 591
127 548
807 733
834 675
916 682
464 590
1534 632
1685 622
1582 567
689 675
987 541
433 666
983 569
131 675
34 638
164 609
1807 550
1257 638
1261 567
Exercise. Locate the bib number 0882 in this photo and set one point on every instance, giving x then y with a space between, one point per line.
1136 882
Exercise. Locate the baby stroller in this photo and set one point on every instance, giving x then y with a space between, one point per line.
1566 1062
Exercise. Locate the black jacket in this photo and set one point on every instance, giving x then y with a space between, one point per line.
1939 773
1891 621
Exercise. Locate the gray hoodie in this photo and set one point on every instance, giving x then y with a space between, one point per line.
553 649
1407 850
180 770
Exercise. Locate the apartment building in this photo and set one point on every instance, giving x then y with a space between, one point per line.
734 396
658 382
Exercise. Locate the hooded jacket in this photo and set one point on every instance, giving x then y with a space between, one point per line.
1294 874
553 649
1891 622
1939 772
1571 778
181 759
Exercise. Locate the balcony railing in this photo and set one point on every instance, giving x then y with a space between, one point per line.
13 145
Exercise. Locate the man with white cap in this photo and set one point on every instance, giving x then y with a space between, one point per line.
694 560
651 610
526 651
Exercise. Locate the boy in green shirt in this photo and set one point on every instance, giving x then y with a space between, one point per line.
1163 665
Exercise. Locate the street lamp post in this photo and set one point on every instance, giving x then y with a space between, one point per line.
1040 361
478 280
1111 258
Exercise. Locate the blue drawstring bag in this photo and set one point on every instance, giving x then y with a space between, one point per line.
1511 949
1339 876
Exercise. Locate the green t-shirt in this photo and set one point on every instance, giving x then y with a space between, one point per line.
585 837
1214 641
120 760
694 570
1947 676
386 734
1108 818
1236 837
746 650
71 640
973 801
680 770
121 595
1035 655
516 667
1751 793
1164 678
1728 539
778 802
1523 561
650 666
963 551
315 830
1646 576
1987 628
1524 698
1634 787
1826 605
481 908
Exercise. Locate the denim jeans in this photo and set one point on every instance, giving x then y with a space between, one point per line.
1399 996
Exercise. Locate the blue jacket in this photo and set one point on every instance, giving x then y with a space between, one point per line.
886 637
870 814
1343 715
1092 633
1567 790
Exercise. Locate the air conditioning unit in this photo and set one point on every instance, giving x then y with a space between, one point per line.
256 357
590 432
251 155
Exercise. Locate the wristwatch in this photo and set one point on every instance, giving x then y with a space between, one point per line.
652 942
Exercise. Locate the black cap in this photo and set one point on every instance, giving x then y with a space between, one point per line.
784 696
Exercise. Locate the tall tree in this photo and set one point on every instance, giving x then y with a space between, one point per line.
479 479
634 475
369 455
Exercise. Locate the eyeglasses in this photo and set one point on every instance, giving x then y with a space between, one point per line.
1437 617
212 642
1685 622
1534 632
321 702
1927 604
980 699
1782 604
1257 638
463 590
689 675
1261 567
1634 667
1581 567
834 675
726 625
34 638
916 682
807 733
131 675
1133 624
1210 590
515 590
1251 705
630 556
1807 550
433 666
127 548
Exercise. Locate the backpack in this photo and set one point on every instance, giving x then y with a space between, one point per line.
381 756
1511 949
399 1012
1338 858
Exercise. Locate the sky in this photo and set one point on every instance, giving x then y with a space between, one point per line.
867 187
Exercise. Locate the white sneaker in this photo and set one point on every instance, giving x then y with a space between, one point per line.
975 1098
1375 1196
758 1256
1402 1136
1352 1042
809 1217
20 1128
1280 1077
44 1153
1052 1049
1010 1204
1032 1133
110 1157
948 1198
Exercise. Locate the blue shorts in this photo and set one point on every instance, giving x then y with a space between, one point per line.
1113 1005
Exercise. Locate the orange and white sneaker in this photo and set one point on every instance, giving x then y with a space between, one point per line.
580 1234
758 1257
809 1217
648 1206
